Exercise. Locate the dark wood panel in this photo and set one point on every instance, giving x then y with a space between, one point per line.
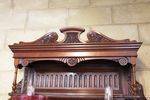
77 80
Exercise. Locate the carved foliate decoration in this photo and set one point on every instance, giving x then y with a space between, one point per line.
139 90
18 87
95 37
72 38
50 38
99 37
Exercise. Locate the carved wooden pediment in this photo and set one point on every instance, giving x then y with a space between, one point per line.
72 35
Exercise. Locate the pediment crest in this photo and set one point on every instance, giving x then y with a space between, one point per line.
72 35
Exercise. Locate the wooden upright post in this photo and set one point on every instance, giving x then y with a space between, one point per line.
133 76
15 80
16 62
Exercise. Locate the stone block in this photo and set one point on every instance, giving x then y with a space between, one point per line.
4 96
145 33
30 4
6 60
2 39
142 1
68 3
118 32
143 57
12 20
33 35
15 36
89 16
5 4
110 2
131 13
47 18
6 78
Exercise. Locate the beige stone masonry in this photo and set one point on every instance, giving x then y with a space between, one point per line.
5 5
118 32
89 16
12 19
139 13
144 30
2 39
20 35
116 2
30 4
110 2
6 60
142 1
143 57
6 81
46 18
4 97
68 3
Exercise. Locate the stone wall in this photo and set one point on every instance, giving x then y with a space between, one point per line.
27 20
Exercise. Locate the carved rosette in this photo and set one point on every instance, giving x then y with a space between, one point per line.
71 61
123 61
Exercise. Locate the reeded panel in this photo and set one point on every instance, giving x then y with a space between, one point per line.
77 80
